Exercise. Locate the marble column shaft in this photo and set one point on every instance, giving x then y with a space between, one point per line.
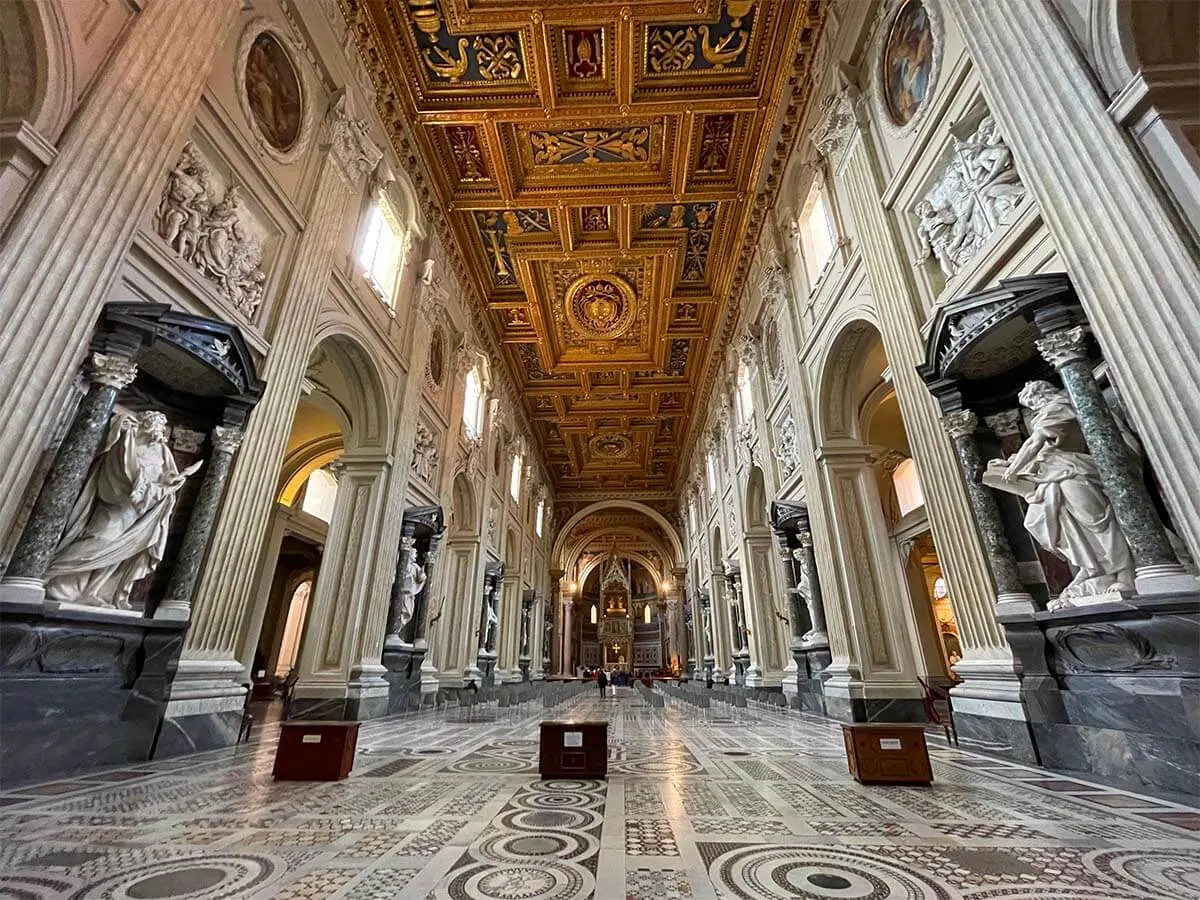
67 243
1119 468
961 425
47 521
177 603
816 600
1126 249
223 595
568 643
421 601
960 549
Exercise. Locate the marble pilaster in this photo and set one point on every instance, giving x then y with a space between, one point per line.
1102 205
177 604
86 207
223 595
1157 568
1011 593
568 631
107 374
951 519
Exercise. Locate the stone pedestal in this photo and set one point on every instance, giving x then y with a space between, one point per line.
1112 690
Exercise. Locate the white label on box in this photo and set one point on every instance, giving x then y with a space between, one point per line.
310 739
572 738
889 743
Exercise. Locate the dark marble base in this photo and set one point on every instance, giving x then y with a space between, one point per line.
359 709
1114 690
875 709
193 734
81 690
332 709
811 663
404 679
995 736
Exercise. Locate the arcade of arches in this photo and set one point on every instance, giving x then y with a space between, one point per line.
386 361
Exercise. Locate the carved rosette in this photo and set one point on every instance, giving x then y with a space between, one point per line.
111 371
1063 347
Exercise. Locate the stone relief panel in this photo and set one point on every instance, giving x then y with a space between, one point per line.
786 450
207 225
426 460
978 191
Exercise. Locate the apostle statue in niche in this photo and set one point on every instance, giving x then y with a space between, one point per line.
414 583
118 527
1068 512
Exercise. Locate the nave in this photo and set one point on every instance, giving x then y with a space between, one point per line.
754 805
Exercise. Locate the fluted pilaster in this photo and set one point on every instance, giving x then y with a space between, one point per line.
67 243
1126 250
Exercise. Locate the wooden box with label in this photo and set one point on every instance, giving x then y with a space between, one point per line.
887 753
573 750
315 751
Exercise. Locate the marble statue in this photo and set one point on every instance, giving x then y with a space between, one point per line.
414 583
212 232
425 454
118 527
978 191
1068 512
805 587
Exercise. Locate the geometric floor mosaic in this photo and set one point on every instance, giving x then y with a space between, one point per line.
760 808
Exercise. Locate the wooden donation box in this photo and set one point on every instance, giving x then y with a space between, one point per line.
315 751
887 753
573 750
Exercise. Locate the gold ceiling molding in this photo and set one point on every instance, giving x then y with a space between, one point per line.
596 169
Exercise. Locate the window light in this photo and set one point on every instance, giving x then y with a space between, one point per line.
382 251
514 481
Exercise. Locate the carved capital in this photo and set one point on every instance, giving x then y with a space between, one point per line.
111 370
1066 346
837 123
1005 424
805 539
961 423
349 144
226 439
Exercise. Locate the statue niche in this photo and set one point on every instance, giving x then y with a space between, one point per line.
118 528
1068 512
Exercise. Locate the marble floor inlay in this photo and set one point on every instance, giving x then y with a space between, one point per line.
757 808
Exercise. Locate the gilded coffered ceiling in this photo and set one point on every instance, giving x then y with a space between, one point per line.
597 165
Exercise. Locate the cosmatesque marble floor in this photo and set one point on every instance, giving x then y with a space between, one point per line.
756 808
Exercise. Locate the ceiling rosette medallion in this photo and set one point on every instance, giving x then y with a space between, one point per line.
601 306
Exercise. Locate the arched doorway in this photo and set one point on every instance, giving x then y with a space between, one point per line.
886 639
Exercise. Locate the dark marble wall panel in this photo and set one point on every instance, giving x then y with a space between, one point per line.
193 734
81 690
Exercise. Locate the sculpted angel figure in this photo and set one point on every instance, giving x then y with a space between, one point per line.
118 526
1068 512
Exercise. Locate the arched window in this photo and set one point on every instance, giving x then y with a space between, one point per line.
815 235
473 404
289 647
381 253
320 492
907 482
646 613
540 518
594 614
710 471
514 480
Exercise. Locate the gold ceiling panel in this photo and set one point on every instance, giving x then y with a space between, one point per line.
596 164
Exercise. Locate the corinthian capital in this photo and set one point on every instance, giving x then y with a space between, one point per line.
226 440
1062 347
111 370
349 143
961 423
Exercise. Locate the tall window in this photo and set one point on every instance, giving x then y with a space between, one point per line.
816 235
909 494
320 492
514 480
540 518
473 404
646 614
710 471
382 251
594 616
